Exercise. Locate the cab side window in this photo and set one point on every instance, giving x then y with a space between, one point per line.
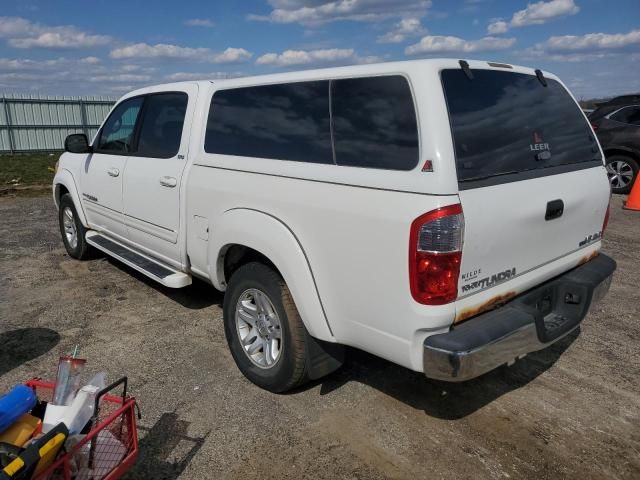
162 123
281 122
117 134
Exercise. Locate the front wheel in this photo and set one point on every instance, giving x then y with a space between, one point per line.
71 229
264 331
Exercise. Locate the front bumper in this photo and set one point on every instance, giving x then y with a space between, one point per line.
530 322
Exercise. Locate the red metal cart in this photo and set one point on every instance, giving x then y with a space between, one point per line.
109 448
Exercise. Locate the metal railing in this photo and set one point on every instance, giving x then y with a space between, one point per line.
31 124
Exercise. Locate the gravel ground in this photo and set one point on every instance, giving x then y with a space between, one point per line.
571 411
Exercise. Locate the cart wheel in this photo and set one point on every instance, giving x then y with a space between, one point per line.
264 331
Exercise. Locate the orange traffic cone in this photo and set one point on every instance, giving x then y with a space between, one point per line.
633 200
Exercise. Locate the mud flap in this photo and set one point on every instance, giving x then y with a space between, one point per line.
324 357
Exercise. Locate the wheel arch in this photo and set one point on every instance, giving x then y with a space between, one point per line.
269 240
624 151
64 183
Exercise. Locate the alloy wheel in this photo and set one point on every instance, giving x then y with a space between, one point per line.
259 328
70 231
620 174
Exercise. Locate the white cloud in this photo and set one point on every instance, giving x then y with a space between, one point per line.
442 44
25 64
46 67
144 50
120 89
407 27
315 12
542 12
13 79
131 68
60 39
199 22
302 57
535 54
22 33
535 14
117 78
59 76
591 42
187 76
588 48
16 27
90 60
497 27
231 55
307 57
164 50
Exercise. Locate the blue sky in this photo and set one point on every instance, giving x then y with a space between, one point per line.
69 47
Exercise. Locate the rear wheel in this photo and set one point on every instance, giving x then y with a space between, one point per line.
71 229
622 172
264 331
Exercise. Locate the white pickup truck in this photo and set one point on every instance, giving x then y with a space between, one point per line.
442 214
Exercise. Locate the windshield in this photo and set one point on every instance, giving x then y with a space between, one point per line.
506 123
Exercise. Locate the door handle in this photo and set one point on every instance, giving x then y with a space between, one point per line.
114 172
555 209
168 182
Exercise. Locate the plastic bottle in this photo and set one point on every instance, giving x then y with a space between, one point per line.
78 414
15 404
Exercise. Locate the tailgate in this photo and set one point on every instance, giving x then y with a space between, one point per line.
532 185
508 232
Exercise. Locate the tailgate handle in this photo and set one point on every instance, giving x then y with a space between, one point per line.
555 209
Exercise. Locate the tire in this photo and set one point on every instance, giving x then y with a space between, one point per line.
622 172
69 225
288 370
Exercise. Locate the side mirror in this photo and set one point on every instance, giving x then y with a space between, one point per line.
77 143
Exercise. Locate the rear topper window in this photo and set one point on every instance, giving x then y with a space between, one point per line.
507 124
371 122
374 123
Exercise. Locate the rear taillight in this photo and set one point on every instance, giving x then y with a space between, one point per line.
435 252
594 126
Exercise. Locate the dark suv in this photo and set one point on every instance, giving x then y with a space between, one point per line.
617 124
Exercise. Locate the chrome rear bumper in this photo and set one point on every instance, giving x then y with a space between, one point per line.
530 322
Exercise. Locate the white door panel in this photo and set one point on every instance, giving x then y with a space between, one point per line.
103 171
152 180
101 192
152 208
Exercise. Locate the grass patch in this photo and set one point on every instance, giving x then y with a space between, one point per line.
27 168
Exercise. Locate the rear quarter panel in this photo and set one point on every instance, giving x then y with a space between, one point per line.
356 243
